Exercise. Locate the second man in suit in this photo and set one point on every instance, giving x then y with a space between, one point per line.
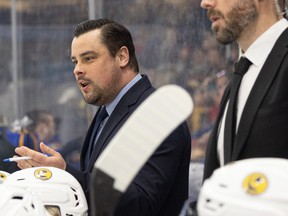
261 31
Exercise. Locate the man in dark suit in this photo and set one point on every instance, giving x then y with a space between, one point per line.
107 73
261 31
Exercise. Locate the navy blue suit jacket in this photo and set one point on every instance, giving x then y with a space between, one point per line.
262 130
161 186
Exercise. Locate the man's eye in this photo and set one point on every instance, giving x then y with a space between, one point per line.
74 62
90 58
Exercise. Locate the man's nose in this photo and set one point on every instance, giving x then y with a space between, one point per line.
206 4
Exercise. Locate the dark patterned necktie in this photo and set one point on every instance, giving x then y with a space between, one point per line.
100 117
241 68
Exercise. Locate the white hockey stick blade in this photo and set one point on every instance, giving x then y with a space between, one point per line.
161 113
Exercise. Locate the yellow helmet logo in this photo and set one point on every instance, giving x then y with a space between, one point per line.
43 174
2 176
255 183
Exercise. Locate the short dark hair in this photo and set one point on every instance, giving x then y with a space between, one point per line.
114 36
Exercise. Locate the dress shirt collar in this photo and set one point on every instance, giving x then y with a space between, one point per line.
110 107
260 49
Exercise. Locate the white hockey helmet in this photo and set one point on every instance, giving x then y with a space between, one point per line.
19 202
54 187
3 176
251 187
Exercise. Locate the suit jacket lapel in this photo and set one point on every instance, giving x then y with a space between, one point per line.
227 148
110 126
211 150
258 92
86 144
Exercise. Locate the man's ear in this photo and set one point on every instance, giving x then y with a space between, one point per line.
123 56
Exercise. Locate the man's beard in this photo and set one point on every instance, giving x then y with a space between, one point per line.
235 22
103 96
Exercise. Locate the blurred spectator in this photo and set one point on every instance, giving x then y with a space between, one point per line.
221 81
35 127
18 135
43 126
203 99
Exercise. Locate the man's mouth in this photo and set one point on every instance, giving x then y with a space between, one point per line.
83 83
214 18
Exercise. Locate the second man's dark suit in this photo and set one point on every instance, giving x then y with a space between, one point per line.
263 128
161 187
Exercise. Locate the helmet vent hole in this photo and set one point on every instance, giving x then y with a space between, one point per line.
76 197
73 189
17 197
